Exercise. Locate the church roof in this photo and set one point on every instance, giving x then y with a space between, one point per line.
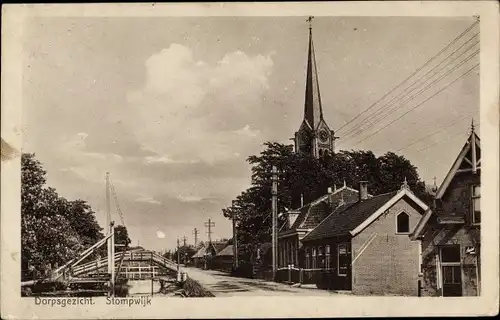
313 111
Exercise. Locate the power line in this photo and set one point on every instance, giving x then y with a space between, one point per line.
411 75
433 133
380 110
443 140
418 105
430 84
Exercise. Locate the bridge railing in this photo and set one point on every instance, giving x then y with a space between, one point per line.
128 256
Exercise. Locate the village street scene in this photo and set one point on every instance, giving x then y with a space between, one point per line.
251 156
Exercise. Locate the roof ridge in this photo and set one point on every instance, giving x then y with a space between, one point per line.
346 204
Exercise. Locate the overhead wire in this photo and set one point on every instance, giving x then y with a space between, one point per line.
382 109
418 105
412 74
443 140
434 132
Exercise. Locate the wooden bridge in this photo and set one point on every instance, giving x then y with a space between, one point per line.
142 264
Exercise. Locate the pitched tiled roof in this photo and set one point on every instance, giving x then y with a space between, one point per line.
348 217
200 253
227 251
219 246
314 212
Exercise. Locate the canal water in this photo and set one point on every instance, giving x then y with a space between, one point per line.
144 287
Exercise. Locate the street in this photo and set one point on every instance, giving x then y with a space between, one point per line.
223 285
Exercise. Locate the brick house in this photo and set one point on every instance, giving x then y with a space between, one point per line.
304 219
364 247
450 231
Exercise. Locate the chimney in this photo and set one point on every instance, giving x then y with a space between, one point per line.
363 190
329 190
301 200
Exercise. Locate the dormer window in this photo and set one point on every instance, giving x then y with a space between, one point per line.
476 204
403 223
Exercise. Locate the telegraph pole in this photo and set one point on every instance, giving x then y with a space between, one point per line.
184 254
235 237
178 261
274 208
195 232
209 224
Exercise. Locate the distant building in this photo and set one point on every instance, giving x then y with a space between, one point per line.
199 257
450 230
224 259
365 246
304 219
211 252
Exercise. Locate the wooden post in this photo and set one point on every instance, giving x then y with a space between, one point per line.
274 193
112 259
473 149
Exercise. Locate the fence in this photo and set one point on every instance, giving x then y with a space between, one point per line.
292 274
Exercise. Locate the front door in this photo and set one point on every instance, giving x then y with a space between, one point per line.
451 269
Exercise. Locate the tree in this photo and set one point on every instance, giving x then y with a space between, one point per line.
53 229
121 235
303 175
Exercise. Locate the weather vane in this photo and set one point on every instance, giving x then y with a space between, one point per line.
309 20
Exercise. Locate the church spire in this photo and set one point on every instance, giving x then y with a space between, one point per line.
314 137
313 112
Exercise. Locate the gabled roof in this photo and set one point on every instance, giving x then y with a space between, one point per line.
200 253
467 158
463 161
351 219
227 251
310 215
218 246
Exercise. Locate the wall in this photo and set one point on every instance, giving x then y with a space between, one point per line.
455 201
389 264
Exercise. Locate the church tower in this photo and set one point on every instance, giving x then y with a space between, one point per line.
314 137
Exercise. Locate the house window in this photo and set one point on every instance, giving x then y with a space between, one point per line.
342 259
403 223
476 205
450 261
308 265
327 257
314 258
321 260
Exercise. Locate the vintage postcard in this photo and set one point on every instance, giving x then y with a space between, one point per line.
224 160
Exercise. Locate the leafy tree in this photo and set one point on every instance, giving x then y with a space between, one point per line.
303 175
185 252
53 229
121 235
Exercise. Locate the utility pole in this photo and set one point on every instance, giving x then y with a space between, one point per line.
195 232
274 208
209 224
184 254
178 261
235 237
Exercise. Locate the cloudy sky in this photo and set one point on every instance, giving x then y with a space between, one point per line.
172 107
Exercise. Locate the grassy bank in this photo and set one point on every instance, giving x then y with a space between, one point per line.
193 288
